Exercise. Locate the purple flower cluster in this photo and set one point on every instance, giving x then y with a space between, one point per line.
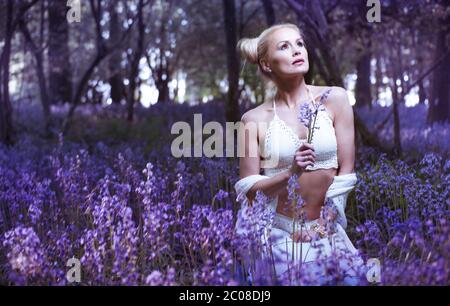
25 254
133 215
401 217
157 278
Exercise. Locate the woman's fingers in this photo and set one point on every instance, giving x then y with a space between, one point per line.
306 146
305 164
303 154
306 152
305 158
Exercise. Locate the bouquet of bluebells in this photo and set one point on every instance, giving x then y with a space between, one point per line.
308 115
297 204
306 118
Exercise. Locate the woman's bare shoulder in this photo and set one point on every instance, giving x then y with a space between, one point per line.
338 97
327 95
338 101
258 114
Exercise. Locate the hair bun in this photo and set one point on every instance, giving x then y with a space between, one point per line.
248 47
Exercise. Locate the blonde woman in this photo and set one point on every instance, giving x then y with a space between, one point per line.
278 148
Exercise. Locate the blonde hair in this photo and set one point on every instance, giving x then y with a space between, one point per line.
255 49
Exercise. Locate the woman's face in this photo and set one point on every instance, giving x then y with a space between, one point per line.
286 54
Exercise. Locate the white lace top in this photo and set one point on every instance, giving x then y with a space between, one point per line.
281 143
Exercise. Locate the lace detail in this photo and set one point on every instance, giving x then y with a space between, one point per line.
281 140
297 140
323 110
268 137
329 162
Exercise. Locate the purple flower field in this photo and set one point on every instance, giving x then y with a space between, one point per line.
134 215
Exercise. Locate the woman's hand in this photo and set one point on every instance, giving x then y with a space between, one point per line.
317 231
304 236
303 157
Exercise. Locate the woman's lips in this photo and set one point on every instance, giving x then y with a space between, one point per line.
298 62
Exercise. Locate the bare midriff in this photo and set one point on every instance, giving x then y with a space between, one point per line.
313 188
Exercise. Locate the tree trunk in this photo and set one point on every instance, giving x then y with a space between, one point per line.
162 84
395 102
176 90
362 91
378 79
316 62
163 71
439 98
115 80
400 69
396 75
102 52
6 126
232 106
60 80
80 90
37 53
137 55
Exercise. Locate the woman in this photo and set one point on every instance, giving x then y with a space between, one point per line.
323 169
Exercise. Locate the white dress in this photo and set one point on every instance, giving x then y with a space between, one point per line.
280 145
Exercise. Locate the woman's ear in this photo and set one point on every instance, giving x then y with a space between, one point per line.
264 65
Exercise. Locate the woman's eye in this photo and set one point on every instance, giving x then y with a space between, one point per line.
298 43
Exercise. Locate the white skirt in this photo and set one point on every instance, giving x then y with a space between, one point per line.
311 259
297 263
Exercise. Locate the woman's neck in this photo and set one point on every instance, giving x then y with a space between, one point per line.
291 92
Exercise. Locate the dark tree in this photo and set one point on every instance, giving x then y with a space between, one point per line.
102 51
37 51
439 110
115 79
165 65
6 127
232 106
363 87
60 80
137 55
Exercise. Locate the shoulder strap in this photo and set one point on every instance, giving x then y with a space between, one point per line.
274 107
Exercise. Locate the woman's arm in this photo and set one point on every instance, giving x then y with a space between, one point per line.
345 138
345 131
250 162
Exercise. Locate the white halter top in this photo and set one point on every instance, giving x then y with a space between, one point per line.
281 143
